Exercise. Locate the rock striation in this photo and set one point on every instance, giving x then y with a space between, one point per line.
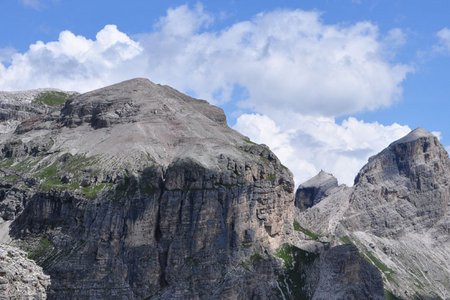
344 274
136 191
397 213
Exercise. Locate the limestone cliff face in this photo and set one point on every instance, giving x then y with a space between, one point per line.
344 274
138 191
404 188
397 213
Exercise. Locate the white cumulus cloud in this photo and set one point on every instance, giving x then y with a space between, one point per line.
74 62
284 59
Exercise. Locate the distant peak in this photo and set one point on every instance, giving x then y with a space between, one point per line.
318 180
314 190
131 84
413 136
135 82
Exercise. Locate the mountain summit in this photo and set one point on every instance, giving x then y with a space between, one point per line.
397 213
136 191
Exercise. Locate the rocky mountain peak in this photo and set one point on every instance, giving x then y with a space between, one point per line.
414 135
404 183
137 191
136 100
315 189
405 159
129 121
322 178
397 213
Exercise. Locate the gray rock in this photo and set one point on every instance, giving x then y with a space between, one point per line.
339 272
344 274
315 189
20 277
404 188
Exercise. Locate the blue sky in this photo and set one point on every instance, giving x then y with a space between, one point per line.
324 83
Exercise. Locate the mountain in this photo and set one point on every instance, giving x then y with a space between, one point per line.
397 214
137 191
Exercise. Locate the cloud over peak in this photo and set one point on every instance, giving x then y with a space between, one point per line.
310 144
285 59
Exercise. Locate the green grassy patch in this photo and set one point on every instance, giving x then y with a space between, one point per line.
293 256
388 295
24 165
312 235
92 191
248 141
255 257
346 239
272 177
43 247
49 177
296 263
251 261
76 168
285 253
6 162
51 98
76 163
48 172
388 272
297 226
11 178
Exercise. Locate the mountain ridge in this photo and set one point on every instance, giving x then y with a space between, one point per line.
136 190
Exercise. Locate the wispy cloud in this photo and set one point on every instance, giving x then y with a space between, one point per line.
33 4
443 44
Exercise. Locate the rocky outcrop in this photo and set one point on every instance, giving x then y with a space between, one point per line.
29 106
338 272
315 189
20 277
142 192
344 274
397 213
